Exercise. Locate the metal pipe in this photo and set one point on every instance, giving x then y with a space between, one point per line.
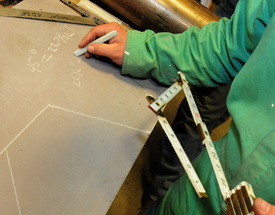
173 16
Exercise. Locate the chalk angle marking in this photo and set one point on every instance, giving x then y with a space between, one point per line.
81 114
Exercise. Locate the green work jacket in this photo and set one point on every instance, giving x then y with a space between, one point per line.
240 52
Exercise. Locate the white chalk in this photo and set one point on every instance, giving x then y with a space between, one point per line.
102 39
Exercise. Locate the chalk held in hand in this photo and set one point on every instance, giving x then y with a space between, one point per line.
102 39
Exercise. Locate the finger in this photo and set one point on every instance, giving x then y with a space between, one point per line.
112 51
100 49
261 207
98 31
88 55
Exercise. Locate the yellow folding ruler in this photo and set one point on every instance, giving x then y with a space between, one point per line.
239 200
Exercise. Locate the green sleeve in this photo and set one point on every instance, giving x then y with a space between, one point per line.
211 56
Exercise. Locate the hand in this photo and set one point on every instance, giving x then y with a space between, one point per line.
116 47
261 207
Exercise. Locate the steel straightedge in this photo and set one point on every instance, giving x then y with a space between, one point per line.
173 16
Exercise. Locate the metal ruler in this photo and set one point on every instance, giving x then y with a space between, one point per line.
229 196
39 15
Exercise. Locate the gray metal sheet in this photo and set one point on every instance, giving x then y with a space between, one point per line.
71 128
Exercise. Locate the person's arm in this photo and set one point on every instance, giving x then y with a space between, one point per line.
211 56
208 57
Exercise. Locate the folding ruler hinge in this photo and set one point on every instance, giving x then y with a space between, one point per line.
179 151
239 201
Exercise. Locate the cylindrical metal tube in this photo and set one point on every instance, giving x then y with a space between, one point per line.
173 16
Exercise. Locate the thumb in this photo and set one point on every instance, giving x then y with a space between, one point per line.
261 207
112 51
99 49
